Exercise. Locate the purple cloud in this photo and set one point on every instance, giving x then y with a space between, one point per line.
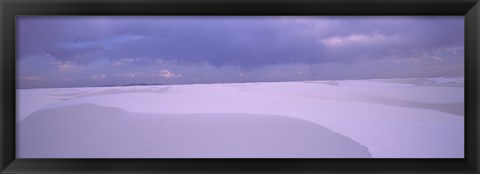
104 45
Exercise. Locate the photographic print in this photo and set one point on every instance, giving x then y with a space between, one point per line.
240 86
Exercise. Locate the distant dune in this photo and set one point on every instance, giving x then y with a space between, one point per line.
380 118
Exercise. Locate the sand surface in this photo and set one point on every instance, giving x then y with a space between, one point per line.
381 118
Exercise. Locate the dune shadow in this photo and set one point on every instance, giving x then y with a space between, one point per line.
331 83
93 131
457 109
422 82
155 90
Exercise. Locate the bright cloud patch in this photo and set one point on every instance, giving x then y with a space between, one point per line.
167 74
99 76
30 78
65 66
155 74
376 38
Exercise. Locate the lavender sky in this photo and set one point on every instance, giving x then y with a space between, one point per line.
76 51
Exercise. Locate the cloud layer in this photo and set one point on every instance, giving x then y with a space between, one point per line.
101 50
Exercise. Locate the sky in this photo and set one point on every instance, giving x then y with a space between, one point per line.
80 51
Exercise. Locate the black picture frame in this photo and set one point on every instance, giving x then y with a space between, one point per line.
9 9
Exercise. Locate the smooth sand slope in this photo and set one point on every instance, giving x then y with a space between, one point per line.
384 118
88 130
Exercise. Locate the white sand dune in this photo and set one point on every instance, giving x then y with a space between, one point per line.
393 118
88 130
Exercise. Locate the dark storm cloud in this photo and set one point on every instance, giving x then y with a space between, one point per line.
241 41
